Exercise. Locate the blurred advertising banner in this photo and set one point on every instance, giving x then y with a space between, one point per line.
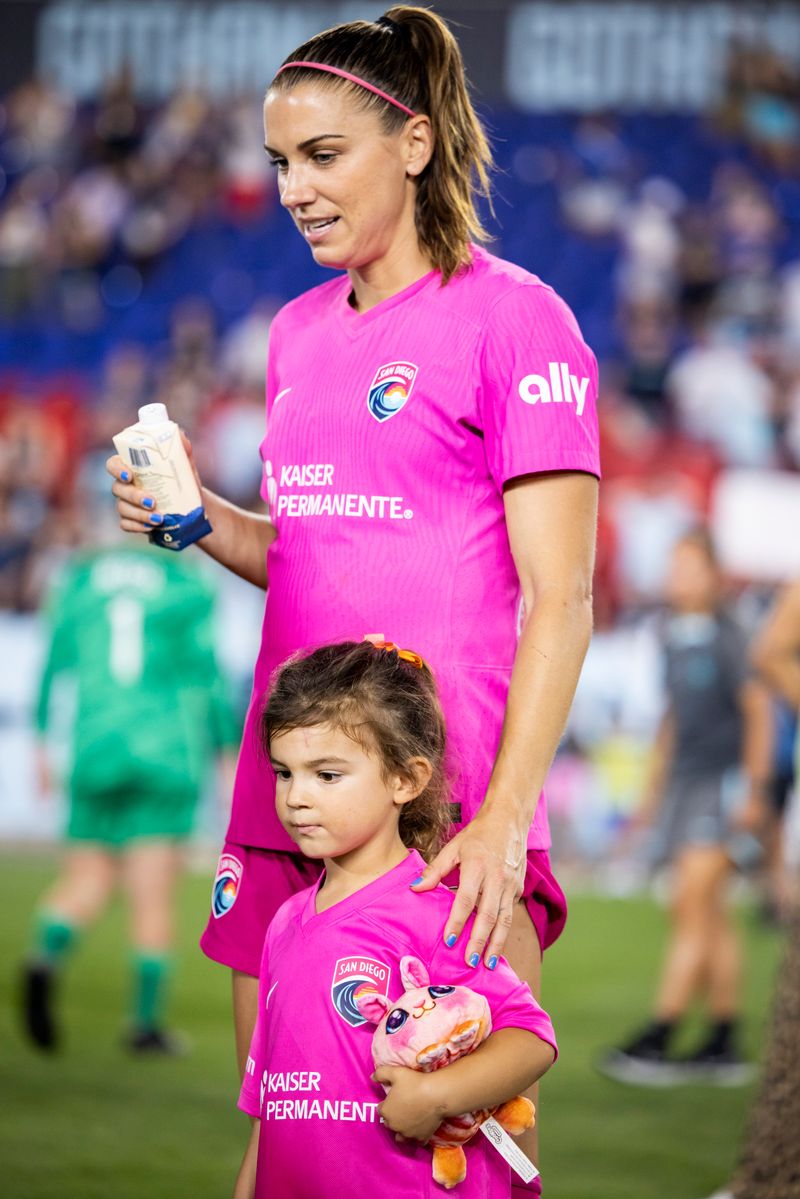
566 56
583 56
755 520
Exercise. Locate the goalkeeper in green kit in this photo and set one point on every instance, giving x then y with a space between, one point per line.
133 630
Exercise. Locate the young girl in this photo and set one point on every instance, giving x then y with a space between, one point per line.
706 793
356 738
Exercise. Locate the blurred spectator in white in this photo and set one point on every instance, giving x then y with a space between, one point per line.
243 349
721 397
40 125
23 240
651 242
596 174
246 173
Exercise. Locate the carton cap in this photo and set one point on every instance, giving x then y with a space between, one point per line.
153 414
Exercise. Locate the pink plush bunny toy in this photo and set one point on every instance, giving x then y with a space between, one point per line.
430 1027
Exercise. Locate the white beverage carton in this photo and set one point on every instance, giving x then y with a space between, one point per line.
153 450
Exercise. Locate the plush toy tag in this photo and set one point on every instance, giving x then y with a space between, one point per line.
502 1142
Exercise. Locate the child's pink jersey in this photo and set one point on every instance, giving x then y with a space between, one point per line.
308 1073
390 435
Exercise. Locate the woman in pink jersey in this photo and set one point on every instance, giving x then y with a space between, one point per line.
430 466
356 739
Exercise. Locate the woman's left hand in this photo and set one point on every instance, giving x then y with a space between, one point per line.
490 853
410 1108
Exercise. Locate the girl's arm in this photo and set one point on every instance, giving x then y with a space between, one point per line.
776 654
757 748
239 540
506 1064
551 521
246 1179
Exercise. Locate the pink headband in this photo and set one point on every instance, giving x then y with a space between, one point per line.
321 66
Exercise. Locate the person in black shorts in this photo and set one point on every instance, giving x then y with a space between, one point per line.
706 798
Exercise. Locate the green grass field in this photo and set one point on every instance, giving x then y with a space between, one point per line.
93 1123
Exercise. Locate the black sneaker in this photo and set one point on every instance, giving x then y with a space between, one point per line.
720 1068
38 995
155 1042
641 1063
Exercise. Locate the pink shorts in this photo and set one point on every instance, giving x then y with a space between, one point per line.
249 887
251 884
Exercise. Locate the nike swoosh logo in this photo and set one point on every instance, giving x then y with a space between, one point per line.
274 985
281 394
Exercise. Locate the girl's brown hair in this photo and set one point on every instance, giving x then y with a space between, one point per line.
411 54
386 704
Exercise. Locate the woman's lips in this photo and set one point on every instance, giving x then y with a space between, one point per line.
316 231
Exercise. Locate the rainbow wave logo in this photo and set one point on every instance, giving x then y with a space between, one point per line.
353 977
226 884
390 389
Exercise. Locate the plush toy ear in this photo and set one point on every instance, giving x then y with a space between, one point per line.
373 1007
413 973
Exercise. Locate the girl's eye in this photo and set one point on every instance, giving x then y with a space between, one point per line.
329 776
279 163
284 774
324 158
437 992
395 1020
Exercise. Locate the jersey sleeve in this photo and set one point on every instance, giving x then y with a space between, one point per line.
510 1000
538 388
251 1093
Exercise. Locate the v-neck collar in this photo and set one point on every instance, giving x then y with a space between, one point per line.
311 920
354 322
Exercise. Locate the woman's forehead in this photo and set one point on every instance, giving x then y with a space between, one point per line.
316 108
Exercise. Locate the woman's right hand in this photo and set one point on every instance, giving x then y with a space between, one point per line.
136 509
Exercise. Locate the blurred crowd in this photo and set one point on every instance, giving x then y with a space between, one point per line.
698 328
142 255
90 200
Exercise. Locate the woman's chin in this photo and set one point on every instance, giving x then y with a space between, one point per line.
327 256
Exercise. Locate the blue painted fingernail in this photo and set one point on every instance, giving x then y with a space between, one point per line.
156 518
451 940
125 476
148 503
474 959
416 880
493 961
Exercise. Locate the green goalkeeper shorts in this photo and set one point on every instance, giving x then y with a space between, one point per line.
115 818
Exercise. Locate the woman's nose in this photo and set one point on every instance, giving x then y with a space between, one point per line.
295 189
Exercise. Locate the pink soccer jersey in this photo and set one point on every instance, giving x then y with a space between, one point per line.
308 1073
390 435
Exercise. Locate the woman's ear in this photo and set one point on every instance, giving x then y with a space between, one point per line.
408 786
419 142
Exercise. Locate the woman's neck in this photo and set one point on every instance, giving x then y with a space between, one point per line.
351 872
375 282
